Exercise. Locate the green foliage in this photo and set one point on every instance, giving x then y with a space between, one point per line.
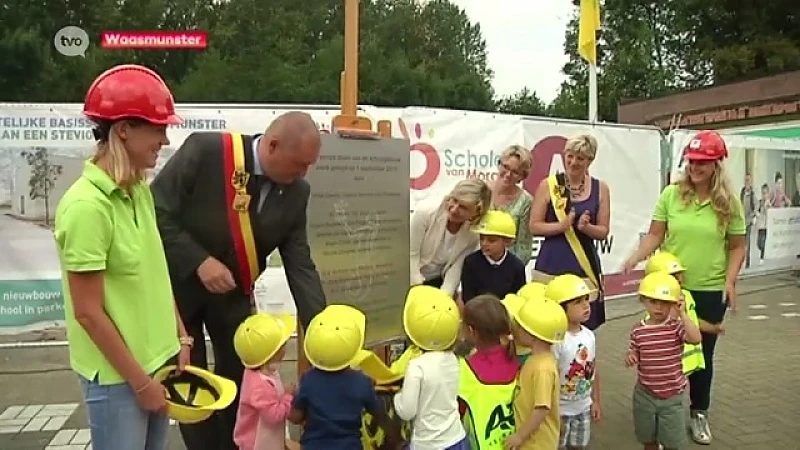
524 102
284 52
412 53
654 48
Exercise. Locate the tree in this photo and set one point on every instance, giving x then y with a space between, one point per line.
43 177
745 40
644 50
410 54
524 103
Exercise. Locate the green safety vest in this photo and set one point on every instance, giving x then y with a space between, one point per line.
489 419
693 359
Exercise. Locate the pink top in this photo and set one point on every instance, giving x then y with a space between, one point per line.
263 409
493 366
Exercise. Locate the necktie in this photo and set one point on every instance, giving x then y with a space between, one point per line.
265 189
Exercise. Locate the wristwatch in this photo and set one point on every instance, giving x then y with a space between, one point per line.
187 341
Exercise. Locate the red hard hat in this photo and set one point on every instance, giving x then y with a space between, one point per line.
130 90
706 146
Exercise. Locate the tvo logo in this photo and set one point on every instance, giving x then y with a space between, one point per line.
71 41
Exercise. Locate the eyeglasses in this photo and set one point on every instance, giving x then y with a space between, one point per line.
506 168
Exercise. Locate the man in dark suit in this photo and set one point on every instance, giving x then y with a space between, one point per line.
190 198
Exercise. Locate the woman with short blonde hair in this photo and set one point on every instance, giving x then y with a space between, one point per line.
572 210
701 221
441 235
513 168
122 323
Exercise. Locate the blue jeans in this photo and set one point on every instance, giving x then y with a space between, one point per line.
118 423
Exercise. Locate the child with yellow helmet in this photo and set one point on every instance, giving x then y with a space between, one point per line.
488 377
265 404
493 269
542 323
533 289
580 389
693 359
429 395
332 396
656 348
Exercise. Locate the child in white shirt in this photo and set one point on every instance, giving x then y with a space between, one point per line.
579 400
429 396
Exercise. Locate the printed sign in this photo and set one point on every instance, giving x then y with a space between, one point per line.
358 228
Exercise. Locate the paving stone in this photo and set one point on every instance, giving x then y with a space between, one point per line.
63 437
55 423
754 400
83 436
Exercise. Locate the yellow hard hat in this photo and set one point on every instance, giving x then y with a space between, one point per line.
660 286
194 394
334 337
534 289
663 262
564 288
430 318
497 223
513 302
374 367
544 319
260 336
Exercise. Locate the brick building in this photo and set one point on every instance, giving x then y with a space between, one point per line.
762 101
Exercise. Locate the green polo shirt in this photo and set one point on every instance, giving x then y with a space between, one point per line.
99 227
695 238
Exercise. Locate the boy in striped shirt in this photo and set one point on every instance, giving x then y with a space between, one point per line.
656 348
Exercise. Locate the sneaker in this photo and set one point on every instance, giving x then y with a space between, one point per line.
701 432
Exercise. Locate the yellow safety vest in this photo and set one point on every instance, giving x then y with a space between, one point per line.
489 419
693 359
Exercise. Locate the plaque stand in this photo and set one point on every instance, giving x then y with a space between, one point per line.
347 125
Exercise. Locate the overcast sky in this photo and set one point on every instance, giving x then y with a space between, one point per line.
525 42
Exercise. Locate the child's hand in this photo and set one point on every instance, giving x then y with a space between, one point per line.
291 388
595 410
631 359
513 442
681 306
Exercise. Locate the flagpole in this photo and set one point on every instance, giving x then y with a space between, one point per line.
592 93
588 26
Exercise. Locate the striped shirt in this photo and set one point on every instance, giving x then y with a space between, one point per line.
659 349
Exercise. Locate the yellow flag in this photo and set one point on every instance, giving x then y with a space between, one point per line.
587 31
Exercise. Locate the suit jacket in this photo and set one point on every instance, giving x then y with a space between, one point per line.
192 213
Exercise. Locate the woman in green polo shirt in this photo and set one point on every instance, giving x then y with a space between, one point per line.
701 221
122 324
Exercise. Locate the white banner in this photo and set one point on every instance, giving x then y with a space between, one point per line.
783 233
764 175
448 146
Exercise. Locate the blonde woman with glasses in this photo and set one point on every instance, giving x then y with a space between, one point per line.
441 235
507 195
